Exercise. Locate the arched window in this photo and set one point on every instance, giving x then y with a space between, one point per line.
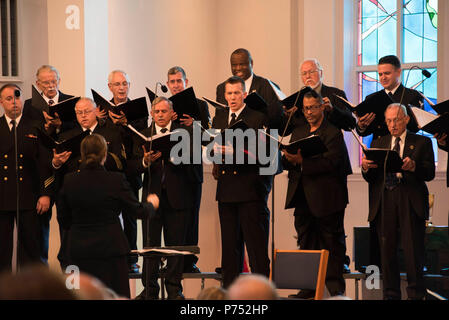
405 28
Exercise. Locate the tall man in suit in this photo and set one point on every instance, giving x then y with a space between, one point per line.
389 70
318 222
172 183
242 66
119 85
47 82
241 193
177 82
34 178
399 202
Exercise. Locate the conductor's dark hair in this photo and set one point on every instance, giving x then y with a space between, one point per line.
392 59
234 80
93 151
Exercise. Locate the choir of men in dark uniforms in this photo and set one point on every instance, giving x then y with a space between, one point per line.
242 192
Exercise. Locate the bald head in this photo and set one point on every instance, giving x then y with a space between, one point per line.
252 287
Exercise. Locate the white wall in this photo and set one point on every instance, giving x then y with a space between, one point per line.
146 38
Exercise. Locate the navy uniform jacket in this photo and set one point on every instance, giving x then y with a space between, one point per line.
35 174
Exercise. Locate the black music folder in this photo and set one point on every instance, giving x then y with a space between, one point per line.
296 99
441 107
151 95
159 142
72 144
215 104
65 109
256 102
133 109
430 122
185 102
378 155
310 146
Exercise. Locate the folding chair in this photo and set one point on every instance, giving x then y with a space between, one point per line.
300 269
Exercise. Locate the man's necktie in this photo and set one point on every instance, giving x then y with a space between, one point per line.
392 180
13 124
233 119
164 130
51 102
390 94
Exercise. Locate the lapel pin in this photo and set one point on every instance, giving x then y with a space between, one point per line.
412 147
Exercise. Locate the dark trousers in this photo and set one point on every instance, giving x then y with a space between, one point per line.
130 229
399 221
251 220
316 233
192 225
172 222
44 221
30 234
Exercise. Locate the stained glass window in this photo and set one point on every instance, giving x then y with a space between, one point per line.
378 25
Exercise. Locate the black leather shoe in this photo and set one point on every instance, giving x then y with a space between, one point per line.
346 269
303 294
134 268
193 269
179 296
142 296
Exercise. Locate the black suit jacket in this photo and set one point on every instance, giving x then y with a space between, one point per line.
35 174
446 148
178 179
115 160
241 183
91 201
417 148
411 96
323 178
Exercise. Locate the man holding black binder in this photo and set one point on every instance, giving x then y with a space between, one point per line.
398 201
389 70
318 222
172 184
177 82
241 193
119 84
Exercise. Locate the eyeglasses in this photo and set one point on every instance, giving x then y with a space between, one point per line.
118 84
394 121
85 112
311 108
48 83
305 73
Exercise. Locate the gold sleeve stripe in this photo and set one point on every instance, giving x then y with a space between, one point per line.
49 181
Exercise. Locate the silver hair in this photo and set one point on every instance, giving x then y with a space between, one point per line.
117 71
397 105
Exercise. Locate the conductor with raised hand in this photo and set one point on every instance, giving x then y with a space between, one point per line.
90 203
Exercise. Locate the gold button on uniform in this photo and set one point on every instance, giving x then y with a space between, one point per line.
5 178
21 179
235 172
20 168
223 172
6 156
5 167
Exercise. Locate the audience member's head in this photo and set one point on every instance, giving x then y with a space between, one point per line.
212 293
93 289
252 287
34 283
